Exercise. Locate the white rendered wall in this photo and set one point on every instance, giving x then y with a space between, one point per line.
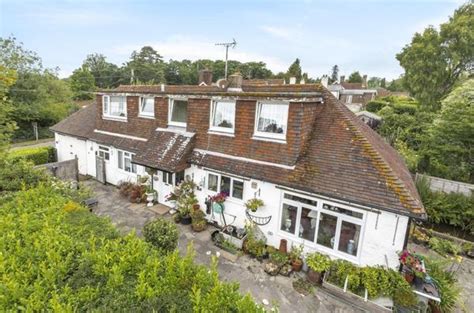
69 147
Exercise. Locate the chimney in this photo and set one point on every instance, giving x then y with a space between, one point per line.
324 81
205 77
302 81
292 80
341 79
235 82
364 81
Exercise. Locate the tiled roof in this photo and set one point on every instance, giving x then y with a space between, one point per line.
343 158
166 150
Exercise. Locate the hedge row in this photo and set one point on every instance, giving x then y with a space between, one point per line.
56 256
39 155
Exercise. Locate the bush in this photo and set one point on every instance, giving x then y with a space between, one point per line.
318 262
38 156
162 234
55 260
446 283
18 174
444 247
375 105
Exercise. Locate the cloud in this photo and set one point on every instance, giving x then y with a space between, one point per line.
280 32
192 48
74 17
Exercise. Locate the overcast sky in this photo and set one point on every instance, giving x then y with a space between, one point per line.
356 35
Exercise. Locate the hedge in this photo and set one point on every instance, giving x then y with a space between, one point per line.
56 256
38 155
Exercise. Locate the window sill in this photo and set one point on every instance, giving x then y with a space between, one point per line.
115 118
270 139
220 133
177 124
150 117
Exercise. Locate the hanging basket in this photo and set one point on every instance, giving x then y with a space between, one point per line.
218 207
259 220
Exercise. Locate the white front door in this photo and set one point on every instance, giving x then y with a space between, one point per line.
165 186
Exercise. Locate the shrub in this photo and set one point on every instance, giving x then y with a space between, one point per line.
443 246
375 105
39 155
318 262
18 174
162 234
446 283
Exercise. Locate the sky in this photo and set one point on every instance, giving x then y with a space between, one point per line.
360 35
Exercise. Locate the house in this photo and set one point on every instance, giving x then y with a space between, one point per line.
328 181
354 95
371 119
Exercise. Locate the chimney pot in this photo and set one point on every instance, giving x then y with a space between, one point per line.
205 77
325 81
235 82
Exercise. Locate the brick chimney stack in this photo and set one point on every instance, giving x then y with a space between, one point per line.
205 77
235 82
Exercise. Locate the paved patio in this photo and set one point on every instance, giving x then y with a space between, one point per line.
247 271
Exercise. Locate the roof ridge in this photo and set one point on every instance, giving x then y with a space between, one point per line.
392 181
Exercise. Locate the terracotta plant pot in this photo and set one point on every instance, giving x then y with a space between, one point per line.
297 265
314 277
409 277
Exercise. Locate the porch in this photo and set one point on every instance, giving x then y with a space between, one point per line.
248 272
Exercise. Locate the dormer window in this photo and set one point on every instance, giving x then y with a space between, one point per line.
178 112
114 106
147 107
271 120
223 116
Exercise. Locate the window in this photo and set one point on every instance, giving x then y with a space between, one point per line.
179 177
104 153
147 106
223 116
114 106
178 112
168 178
220 183
330 226
125 162
271 120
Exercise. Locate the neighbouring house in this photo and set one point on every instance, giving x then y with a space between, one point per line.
371 119
327 180
354 95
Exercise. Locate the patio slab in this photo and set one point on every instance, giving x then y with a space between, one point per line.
247 271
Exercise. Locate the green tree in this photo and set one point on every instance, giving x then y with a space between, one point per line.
375 82
451 144
295 70
396 85
14 56
434 60
355 77
106 74
255 70
147 66
7 124
82 83
334 74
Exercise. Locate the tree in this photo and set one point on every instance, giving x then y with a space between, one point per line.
255 70
7 124
375 82
434 60
334 74
147 66
383 83
82 83
451 143
396 85
295 70
106 74
14 56
355 77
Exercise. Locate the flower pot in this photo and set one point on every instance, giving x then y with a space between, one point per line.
186 220
198 227
314 277
218 207
297 265
149 198
409 277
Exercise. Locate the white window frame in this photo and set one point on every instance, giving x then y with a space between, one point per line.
166 177
106 106
126 155
170 111
232 179
102 151
319 209
259 134
212 115
141 113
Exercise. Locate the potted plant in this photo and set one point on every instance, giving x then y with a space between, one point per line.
198 223
317 263
218 201
150 195
295 256
413 266
275 263
253 204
